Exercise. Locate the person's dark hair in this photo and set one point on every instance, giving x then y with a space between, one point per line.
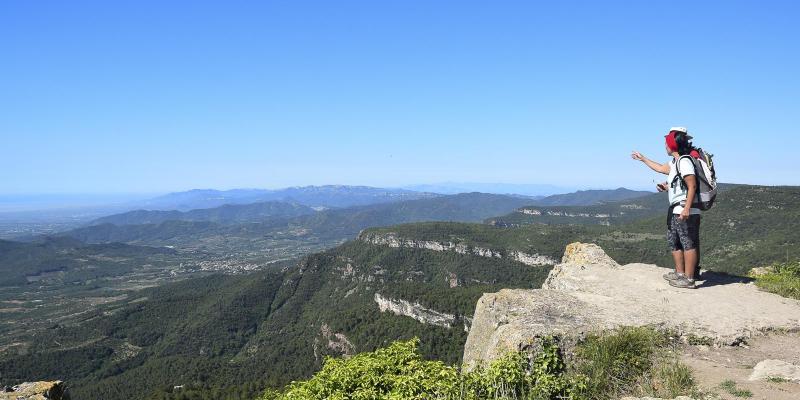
684 144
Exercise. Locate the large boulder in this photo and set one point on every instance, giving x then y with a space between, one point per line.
775 369
590 292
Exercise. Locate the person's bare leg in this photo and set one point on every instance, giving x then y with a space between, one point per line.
677 255
690 262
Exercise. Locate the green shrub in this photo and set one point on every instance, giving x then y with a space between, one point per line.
783 279
399 372
515 376
628 361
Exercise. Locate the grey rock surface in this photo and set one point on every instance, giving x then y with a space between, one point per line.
775 369
414 310
589 292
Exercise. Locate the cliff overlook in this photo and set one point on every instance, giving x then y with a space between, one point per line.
589 291
727 320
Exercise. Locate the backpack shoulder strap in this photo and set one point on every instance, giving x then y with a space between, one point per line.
678 165
678 177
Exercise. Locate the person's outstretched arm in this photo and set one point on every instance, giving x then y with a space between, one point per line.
662 168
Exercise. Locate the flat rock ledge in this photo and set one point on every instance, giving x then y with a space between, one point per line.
589 292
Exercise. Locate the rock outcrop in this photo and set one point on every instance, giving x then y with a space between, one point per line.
590 292
44 390
392 240
414 310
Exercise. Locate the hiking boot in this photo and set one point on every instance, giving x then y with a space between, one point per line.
671 276
683 283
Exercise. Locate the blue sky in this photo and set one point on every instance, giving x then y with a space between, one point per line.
161 96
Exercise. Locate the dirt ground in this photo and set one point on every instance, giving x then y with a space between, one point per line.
713 366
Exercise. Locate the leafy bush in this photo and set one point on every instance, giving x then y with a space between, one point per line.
399 372
629 361
516 376
782 279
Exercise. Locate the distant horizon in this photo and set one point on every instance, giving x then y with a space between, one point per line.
32 202
401 187
275 188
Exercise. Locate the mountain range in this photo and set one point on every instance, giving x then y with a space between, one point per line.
259 228
225 214
313 196
590 197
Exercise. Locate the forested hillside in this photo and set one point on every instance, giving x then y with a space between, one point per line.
65 260
610 213
601 207
236 334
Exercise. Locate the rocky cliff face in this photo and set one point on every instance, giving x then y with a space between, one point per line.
395 241
588 292
534 211
414 310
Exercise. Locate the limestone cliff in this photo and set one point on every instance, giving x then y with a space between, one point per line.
414 310
588 292
392 240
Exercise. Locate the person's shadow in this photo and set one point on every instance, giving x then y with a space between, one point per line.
711 278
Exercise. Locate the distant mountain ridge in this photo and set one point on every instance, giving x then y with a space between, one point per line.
312 196
258 211
245 228
322 229
225 214
590 197
521 189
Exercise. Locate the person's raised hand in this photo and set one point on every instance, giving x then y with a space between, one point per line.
637 156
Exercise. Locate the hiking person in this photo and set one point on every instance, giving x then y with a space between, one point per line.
683 222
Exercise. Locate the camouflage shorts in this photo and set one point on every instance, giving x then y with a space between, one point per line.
684 235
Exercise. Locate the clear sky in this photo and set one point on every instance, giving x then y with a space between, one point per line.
158 96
